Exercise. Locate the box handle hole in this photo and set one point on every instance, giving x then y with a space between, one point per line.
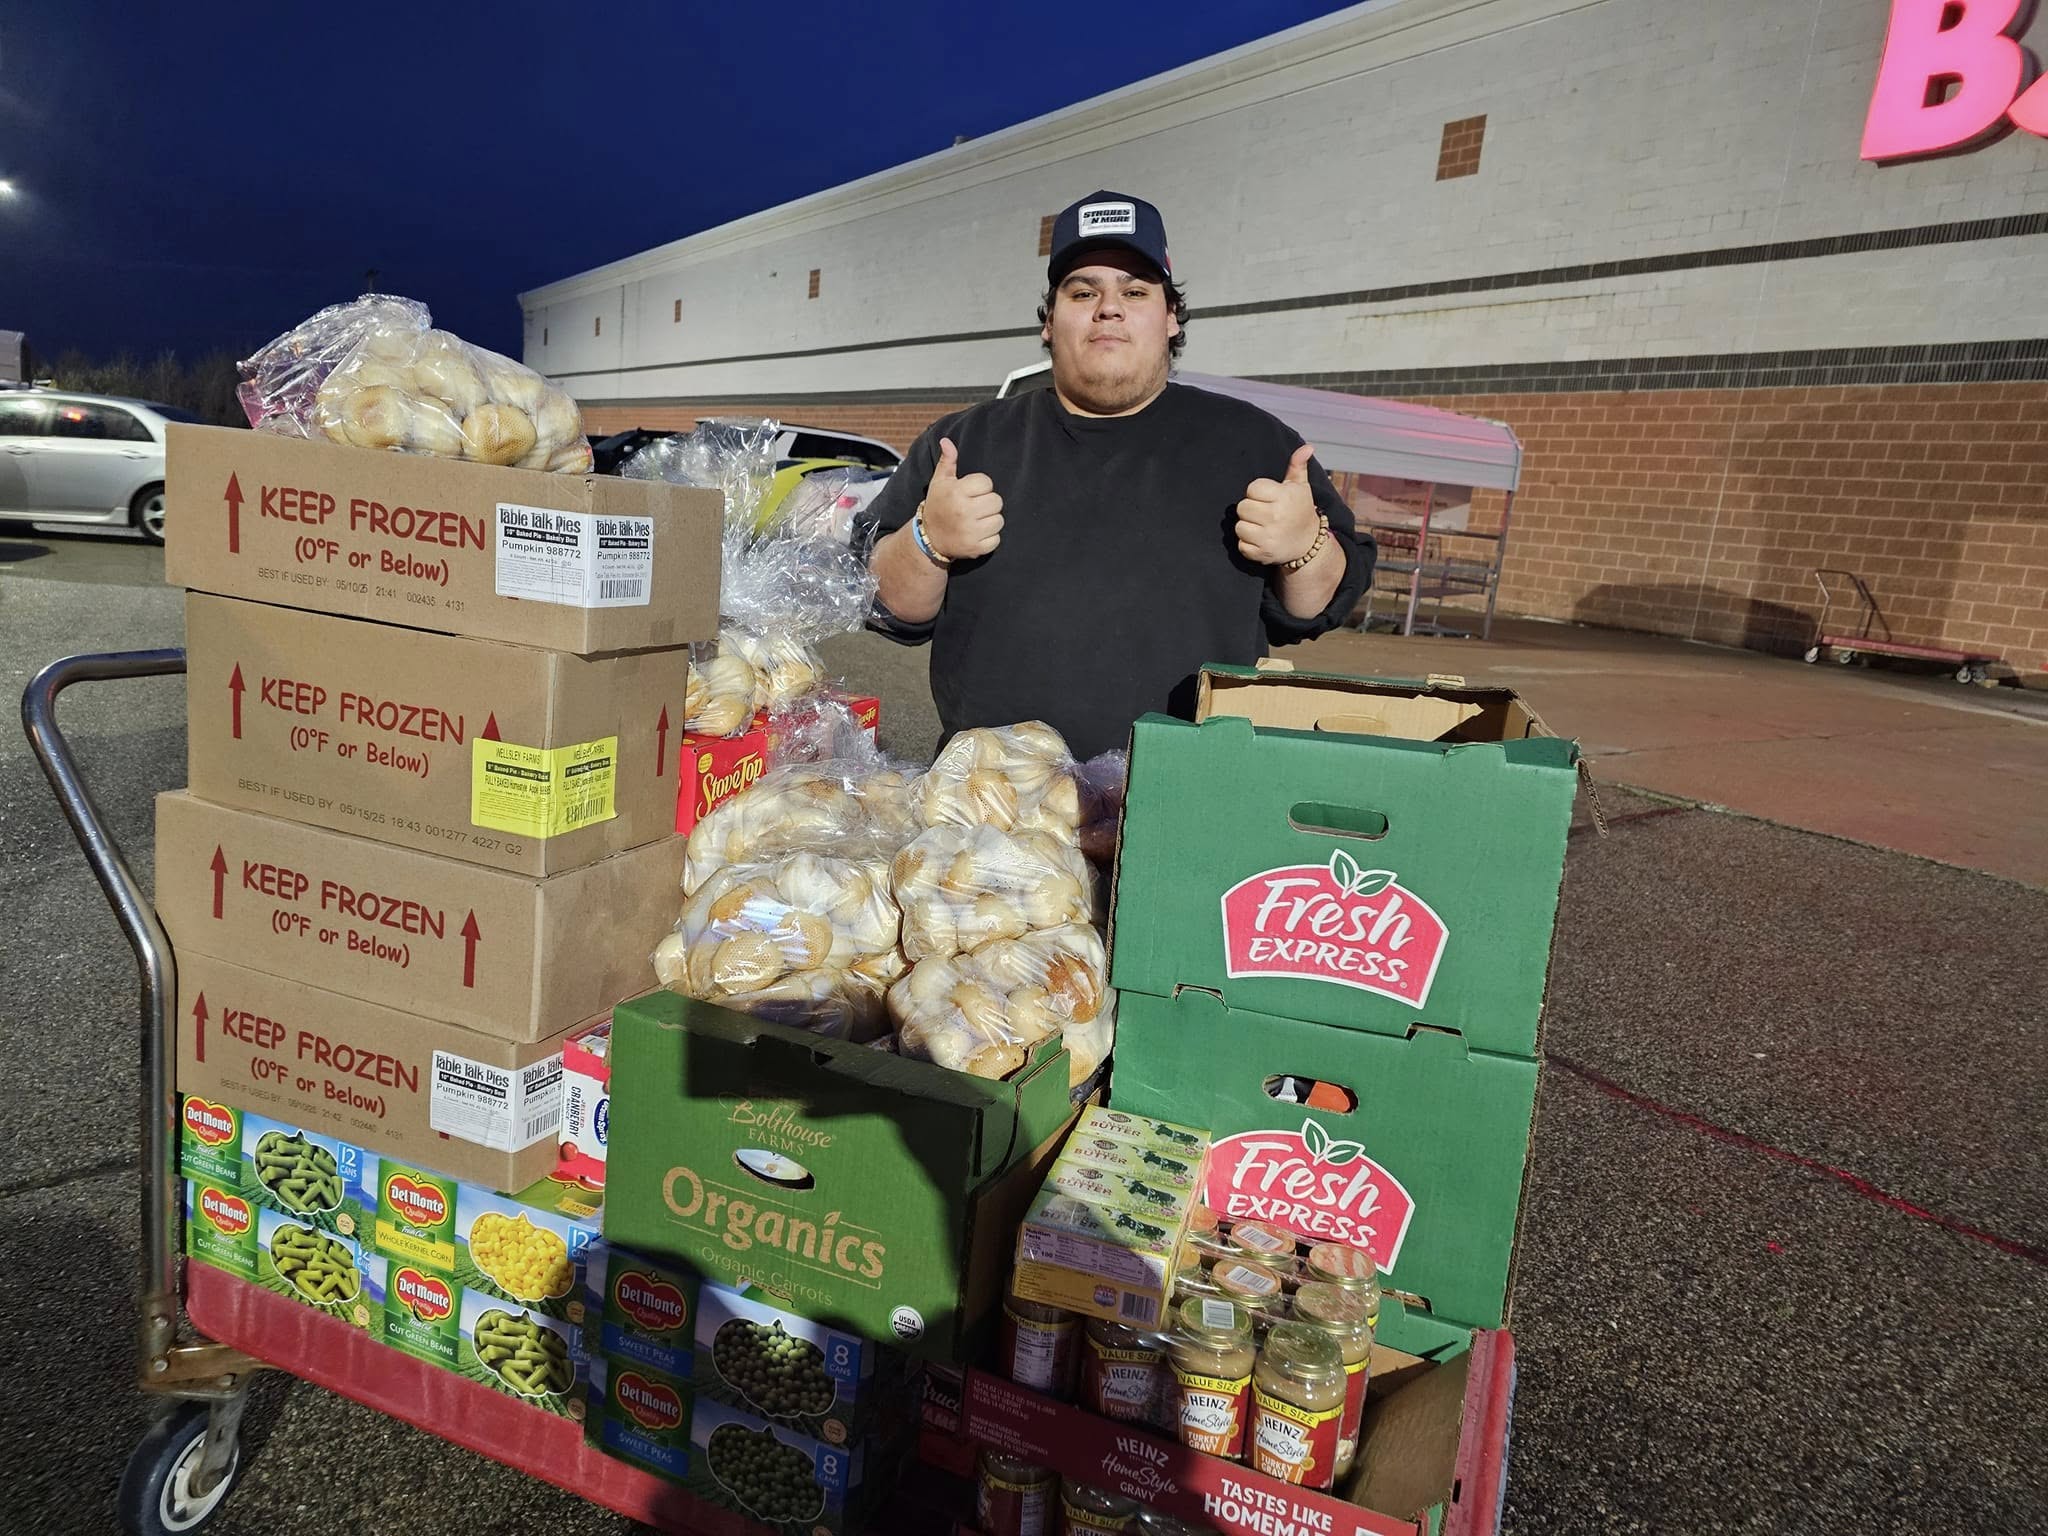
1314 1093
1337 820
774 1169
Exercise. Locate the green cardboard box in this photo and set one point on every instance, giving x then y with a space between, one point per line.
1359 852
1425 1174
871 1192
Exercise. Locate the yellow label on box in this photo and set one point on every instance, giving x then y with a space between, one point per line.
542 791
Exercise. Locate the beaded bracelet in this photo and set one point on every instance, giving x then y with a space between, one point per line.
923 543
1322 538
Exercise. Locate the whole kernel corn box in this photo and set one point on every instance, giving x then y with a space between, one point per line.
526 1248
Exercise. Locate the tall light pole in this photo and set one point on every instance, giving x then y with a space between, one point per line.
6 187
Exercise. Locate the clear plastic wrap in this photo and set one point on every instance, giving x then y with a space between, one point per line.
822 506
750 926
1102 780
961 887
843 1004
737 458
374 373
1015 778
981 1012
1090 1041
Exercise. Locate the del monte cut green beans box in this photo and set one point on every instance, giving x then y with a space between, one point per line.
321 1179
320 1269
742 1349
522 1353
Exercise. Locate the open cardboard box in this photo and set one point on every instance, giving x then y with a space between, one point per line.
1363 853
1431 1458
864 1189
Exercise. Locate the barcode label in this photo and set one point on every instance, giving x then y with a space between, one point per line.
495 1107
577 559
1139 1309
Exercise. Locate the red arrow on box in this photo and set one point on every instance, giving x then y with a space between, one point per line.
219 866
490 730
199 1019
235 687
661 743
470 934
233 497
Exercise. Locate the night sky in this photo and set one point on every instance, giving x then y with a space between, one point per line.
198 183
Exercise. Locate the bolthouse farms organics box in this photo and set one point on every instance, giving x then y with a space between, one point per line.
582 563
873 1193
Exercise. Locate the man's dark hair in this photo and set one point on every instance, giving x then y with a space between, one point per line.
1176 304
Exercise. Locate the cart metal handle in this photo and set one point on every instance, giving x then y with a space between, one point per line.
145 935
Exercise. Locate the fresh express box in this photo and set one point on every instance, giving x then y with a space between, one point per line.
283 1254
712 769
1353 852
582 563
509 756
880 1193
506 954
1373 919
474 1106
741 1348
728 1457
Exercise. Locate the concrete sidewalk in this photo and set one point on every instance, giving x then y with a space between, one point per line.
1921 765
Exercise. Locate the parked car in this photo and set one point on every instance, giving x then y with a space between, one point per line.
68 458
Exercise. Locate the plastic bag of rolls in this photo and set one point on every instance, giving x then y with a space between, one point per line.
982 1011
375 373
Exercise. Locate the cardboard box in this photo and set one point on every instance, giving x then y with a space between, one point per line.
324 1180
712 769
505 954
474 1106
553 1223
503 755
1420 1457
875 1193
716 1453
230 1232
567 562
586 1105
672 1320
1357 852
557 1387
1425 1174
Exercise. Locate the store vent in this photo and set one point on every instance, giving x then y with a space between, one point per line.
1045 235
814 282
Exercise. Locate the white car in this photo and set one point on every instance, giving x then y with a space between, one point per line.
68 458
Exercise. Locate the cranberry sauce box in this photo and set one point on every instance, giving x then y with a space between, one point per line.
582 563
505 954
509 756
586 1105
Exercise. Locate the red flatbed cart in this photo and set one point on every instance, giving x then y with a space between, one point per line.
187 1464
1845 647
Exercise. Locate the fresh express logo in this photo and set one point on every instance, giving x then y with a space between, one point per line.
654 1304
229 1213
652 1404
417 1205
1336 922
427 1298
211 1124
1318 1187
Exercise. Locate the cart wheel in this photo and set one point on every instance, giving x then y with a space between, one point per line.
1843 658
156 1497
1966 674
1812 654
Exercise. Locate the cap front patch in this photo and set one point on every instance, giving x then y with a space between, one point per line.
1108 219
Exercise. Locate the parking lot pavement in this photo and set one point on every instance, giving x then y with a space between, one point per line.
1783 1243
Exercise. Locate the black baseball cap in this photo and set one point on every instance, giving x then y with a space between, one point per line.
1107 220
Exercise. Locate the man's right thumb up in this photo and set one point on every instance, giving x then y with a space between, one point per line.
949 461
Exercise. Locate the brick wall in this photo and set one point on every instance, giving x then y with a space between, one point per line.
1702 513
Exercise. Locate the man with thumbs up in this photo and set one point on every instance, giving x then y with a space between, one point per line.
1075 555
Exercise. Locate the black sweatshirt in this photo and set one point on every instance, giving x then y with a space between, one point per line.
1118 575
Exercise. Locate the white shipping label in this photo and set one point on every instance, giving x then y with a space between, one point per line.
577 559
500 1108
